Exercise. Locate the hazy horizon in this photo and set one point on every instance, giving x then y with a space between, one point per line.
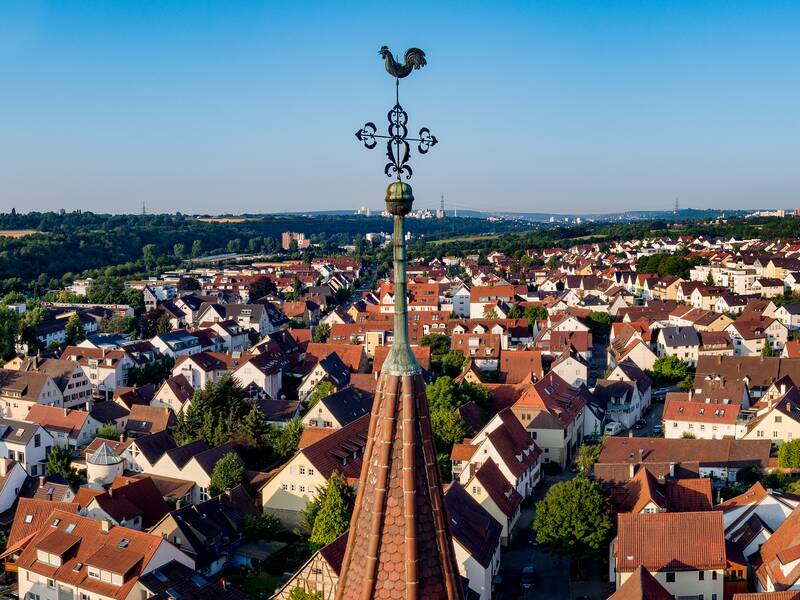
250 107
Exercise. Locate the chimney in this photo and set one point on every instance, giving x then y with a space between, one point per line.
3 467
105 525
672 469
41 480
630 433
66 411
631 470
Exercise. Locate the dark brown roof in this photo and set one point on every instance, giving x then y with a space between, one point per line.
686 541
499 489
472 525
342 450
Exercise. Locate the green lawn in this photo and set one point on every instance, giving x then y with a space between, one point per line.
260 585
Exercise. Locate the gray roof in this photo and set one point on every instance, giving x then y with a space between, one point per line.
347 405
17 432
675 337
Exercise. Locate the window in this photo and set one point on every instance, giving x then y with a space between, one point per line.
476 489
51 583
714 575
285 487
37 440
310 471
713 597
670 577
302 470
778 419
701 575
32 596
84 596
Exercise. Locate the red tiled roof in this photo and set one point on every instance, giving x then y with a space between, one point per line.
699 412
689 495
686 541
641 585
421 353
518 366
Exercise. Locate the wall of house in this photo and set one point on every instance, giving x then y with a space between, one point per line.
674 429
282 495
774 426
480 577
687 583
475 490
316 575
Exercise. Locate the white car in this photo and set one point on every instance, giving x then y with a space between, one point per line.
612 428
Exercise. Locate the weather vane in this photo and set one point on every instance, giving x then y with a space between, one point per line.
397 142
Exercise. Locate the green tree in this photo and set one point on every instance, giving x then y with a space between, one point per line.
439 343
299 593
767 350
74 333
107 431
149 255
164 323
669 369
515 312
688 435
448 429
489 313
709 279
452 363
535 313
321 333
333 516
28 323
228 473
234 245
477 393
216 411
262 526
59 461
255 429
197 248
322 390
285 441
599 323
573 519
443 394
789 454
587 456
179 250
9 325
263 286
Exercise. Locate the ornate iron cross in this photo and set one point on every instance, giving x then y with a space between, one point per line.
397 142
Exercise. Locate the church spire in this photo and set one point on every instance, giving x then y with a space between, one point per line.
399 546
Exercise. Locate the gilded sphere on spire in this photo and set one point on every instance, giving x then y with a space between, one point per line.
399 198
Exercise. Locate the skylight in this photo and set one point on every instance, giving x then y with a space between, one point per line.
70 528
29 518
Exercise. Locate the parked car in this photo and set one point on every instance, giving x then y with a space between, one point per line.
657 429
532 541
640 424
528 579
612 428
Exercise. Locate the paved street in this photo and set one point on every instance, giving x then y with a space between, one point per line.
553 582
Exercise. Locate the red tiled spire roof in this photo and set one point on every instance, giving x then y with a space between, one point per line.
401 545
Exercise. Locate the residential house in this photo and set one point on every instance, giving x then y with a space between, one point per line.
552 411
749 336
685 418
319 574
175 393
26 442
79 557
209 532
177 343
68 428
134 503
508 445
106 369
338 409
21 390
682 566
492 490
75 387
12 478
622 457
476 540
681 342
297 482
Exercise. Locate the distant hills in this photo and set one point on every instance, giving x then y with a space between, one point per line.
630 215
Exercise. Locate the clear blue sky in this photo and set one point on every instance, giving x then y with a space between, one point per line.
556 106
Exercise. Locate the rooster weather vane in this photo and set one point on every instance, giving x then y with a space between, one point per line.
397 142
